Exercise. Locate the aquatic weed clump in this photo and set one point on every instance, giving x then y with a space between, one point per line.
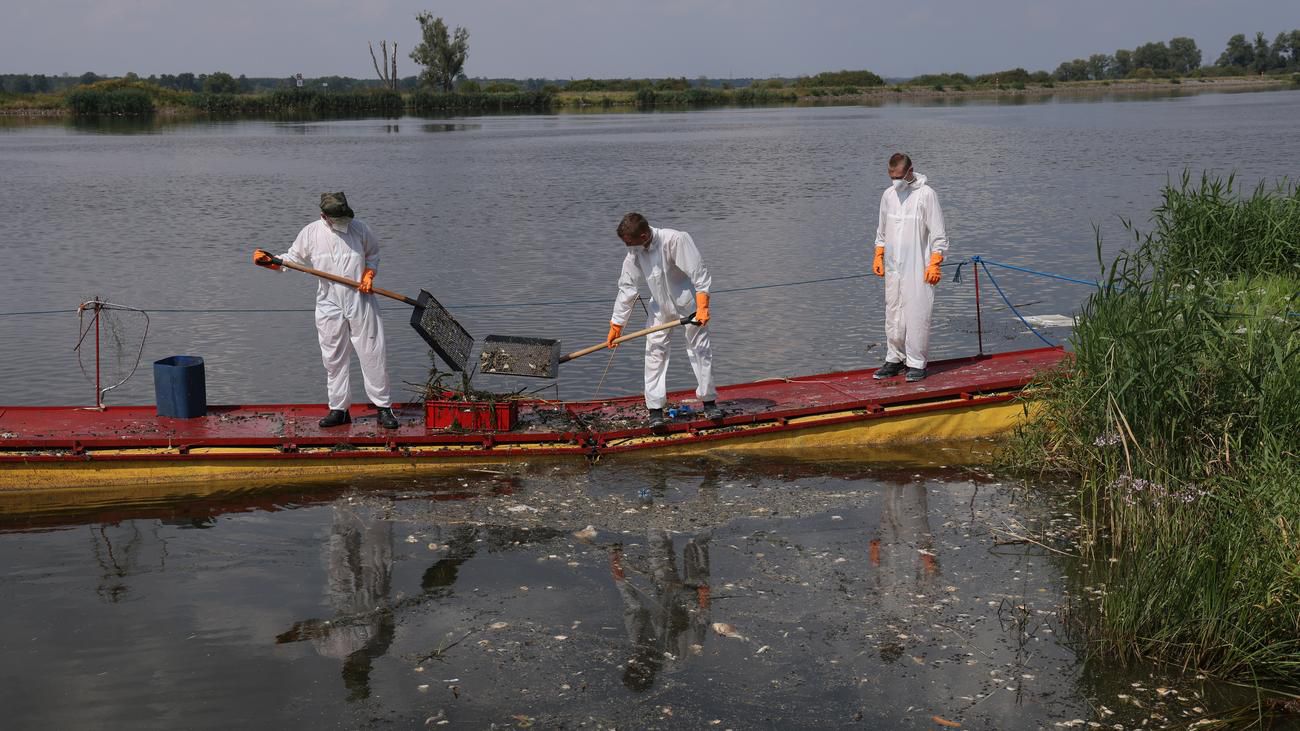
1179 413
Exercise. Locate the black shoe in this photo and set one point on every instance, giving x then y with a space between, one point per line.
657 419
386 418
889 370
336 417
712 410
916 374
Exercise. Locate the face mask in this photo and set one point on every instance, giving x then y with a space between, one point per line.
340 224
899 184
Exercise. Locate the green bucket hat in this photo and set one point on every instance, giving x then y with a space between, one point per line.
335 205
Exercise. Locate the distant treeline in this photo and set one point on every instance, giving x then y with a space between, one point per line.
1178 57
224 83
1181 57
121 97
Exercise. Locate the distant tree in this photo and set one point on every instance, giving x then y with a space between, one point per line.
1123 65
469 86
678 84
1238 53
245 86
861 77
1154 56
442 55
132 76
1262 54
88 78
1010 76
40 83
1099 66
1184 56
387 75
1293 50
186 82
20 84
1076 70
221 82
500 87
1280 53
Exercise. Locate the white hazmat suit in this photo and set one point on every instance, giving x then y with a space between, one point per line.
911 229
673 271
346 320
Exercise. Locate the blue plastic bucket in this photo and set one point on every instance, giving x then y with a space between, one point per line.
179 387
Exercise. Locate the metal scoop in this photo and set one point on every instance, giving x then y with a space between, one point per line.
540 357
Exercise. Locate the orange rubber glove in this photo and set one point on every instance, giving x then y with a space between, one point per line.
367 281
263 259
702 308
878 263
932 273
615 332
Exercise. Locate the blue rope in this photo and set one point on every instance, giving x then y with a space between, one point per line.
986 262
1011 306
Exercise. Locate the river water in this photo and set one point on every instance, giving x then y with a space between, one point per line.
786 594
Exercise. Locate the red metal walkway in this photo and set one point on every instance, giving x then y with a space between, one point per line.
72 429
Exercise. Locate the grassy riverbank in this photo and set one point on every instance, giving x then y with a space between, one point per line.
1179 418
122 97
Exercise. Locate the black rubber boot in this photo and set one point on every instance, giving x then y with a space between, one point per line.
916 374
657 419
386 418
889 370
712 410
336 417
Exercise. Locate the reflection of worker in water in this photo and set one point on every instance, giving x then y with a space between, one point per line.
666 618
358 565
902 553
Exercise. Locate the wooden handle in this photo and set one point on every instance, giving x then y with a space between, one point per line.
344 280
625 338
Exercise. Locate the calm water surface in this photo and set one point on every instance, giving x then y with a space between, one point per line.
776 595
753 595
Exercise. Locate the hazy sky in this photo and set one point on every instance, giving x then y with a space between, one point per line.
611 38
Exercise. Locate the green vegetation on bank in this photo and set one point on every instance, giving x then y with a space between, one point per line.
1179 416
1182 58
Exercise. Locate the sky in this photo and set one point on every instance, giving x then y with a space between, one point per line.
561 39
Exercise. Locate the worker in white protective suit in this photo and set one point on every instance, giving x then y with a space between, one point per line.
671 267
910 246
347 318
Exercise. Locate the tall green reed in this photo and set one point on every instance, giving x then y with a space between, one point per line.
1179 415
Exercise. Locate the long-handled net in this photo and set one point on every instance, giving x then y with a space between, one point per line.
114 330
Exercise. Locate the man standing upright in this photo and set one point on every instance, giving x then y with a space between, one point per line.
670 265
910 245
347 318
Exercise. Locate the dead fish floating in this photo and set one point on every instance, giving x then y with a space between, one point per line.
727 630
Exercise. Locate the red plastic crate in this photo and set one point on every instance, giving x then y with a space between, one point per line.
471 415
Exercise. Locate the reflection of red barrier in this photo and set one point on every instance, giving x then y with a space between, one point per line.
929 564
702 593
471 415
874 552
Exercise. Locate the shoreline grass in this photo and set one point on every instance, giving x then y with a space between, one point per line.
1178 418
122 97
